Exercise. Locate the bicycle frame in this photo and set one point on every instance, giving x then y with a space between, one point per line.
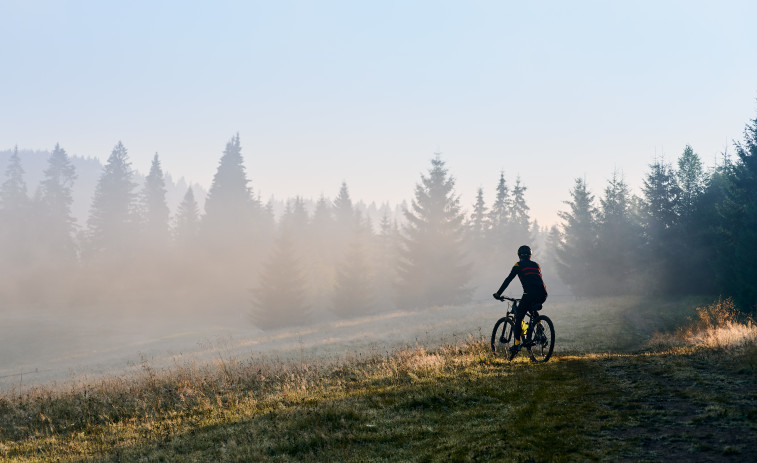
532 314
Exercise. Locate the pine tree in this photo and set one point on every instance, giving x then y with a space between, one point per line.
691 180
691 235
737 249
386 253
498 216
353 291
15 208
478 225
155 208
431 269
279 300
296 219
711 216
618 240
321 257
661 194
344 214
111 223
519 221
187 225
229 209
576 252
56 199
660 219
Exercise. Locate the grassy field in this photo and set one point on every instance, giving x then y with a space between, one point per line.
690 395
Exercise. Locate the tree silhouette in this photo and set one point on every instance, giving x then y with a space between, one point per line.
618 240
478 225
187 220
431 269
353 291
56 199
519 219
279 299
576 251
691 232
659 219
154 206
691 181
737 250
15 215
111 223
229 208
498 216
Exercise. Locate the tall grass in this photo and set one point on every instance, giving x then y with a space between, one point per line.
721 326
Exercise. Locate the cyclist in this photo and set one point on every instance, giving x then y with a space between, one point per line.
534 290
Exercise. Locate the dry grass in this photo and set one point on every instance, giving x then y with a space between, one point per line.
717 326
683 400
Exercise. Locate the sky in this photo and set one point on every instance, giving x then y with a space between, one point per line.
366 92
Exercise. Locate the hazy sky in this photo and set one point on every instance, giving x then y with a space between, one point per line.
367 91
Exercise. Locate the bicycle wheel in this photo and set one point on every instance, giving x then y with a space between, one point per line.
502 337
542 340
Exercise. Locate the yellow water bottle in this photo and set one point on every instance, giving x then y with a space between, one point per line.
524 325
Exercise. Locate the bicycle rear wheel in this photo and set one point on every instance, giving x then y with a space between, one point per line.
502 337
542 340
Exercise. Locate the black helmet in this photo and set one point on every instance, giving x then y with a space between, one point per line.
524 251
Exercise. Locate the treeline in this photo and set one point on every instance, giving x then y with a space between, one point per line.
135 254
693 231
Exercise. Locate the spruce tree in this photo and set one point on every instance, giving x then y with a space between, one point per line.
691 235
279 299
58 224
661 194
519 221
111 224
187 225
660 218
229 209
353 291
691 181
154 206
738 249
15 215
498 216
432 270
576 252
386 256
478 225
344 215
321 257
618 240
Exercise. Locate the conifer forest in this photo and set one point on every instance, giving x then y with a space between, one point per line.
690 230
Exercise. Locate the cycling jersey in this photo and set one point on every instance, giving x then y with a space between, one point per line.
529 274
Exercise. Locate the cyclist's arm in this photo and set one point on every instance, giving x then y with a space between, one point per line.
510 277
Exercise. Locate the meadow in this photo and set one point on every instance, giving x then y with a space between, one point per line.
632 380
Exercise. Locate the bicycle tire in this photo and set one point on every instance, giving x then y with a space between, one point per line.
502 337
543 335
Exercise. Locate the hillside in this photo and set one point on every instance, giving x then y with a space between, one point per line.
691 396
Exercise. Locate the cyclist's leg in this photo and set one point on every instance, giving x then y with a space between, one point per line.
520 314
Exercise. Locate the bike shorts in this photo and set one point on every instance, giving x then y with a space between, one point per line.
529 300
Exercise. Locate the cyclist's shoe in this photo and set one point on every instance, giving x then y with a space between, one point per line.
514 351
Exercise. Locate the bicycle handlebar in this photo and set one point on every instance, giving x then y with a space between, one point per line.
505 298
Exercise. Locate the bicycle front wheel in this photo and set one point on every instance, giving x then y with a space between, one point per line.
542 340
502 337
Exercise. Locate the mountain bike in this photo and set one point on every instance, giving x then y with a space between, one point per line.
537 333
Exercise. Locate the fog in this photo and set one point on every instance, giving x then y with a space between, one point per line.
223 273
144 276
